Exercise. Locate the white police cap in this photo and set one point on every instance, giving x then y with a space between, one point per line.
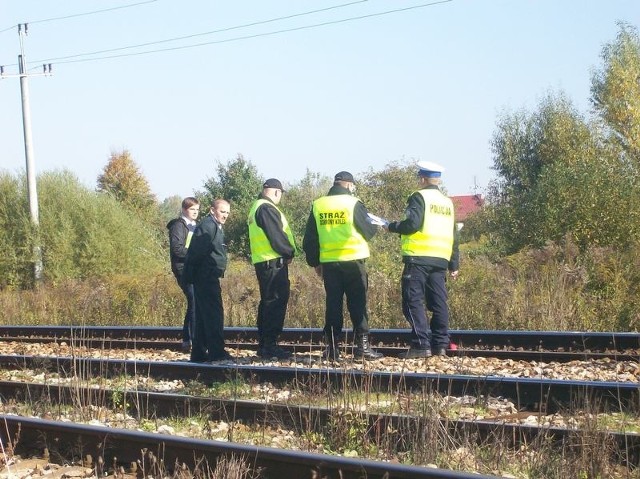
429 169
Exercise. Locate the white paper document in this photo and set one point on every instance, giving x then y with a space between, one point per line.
377 220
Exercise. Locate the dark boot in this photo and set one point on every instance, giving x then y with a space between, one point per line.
332 350
270 349
363 348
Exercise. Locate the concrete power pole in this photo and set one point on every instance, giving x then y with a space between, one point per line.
28 148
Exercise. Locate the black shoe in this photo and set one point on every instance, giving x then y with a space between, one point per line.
439 351
413 353
367 354
331 354
277 352
363 348
223 356
186 346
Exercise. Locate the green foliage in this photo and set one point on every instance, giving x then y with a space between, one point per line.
170 208
537 157
559 174
615 93
385 194
16 233
83 233
296 202
237 182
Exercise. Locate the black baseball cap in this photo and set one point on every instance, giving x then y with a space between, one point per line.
344 176
273 183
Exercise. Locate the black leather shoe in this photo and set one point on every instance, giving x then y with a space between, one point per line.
414 353
439 351
273 352
223 356
331 354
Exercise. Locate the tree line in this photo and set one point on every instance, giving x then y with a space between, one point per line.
561 176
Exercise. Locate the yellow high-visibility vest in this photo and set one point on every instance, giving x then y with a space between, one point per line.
261 249
339 239
435 238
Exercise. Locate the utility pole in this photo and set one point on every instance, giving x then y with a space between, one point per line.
32 190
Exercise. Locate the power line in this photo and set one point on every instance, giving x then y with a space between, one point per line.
227 29
52 19
257 35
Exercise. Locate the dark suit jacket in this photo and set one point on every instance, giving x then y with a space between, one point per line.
207 255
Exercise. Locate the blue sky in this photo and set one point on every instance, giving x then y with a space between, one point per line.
427 83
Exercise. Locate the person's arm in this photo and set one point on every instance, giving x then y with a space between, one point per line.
414 216
362 222
454 262
268 218
311 242
177 239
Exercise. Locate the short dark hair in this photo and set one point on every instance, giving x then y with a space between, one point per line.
188 202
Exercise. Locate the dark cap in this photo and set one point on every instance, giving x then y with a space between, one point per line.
344 176
273 183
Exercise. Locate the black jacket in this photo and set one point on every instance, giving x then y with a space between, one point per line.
178 231
414 217
311 242
207 255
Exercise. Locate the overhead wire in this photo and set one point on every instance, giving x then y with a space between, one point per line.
246 37
74 15
221 30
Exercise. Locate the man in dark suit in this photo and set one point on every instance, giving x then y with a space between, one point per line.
204 266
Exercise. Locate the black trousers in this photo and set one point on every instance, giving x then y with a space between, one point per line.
350 279
207 343
425 285
190 314
273 279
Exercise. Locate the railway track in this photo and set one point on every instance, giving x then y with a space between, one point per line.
542 346
398 428
123 447
528 394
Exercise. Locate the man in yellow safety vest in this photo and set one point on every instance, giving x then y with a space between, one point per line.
429 249
336 244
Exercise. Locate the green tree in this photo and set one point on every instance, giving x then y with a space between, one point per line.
16 233
83 233
615 90
170 208
122 179
538 158
239 183
296 203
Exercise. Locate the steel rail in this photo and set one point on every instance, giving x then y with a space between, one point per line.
543 346
542 395
303 418
125 446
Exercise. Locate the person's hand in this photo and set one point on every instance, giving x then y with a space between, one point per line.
454 274
318 270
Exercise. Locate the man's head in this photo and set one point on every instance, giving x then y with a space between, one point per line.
220 210
272 189
345 179
190 207
429 173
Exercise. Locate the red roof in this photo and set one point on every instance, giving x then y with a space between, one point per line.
466 205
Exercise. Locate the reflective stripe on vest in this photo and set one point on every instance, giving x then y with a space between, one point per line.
339 239
435 239
261 249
